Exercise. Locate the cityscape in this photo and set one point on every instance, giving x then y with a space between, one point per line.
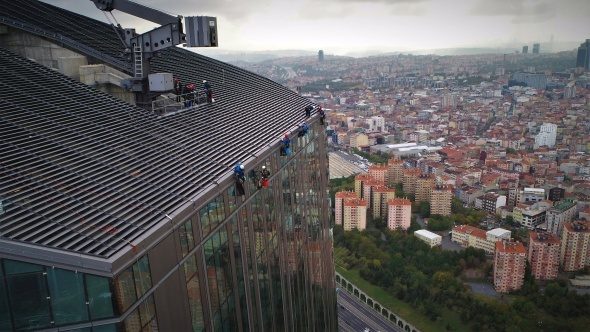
170 176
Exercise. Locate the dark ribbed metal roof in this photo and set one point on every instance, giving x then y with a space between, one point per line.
91 37
85 172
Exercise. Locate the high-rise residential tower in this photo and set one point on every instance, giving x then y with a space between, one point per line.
575 246
543 255
400 213
509 266
583 57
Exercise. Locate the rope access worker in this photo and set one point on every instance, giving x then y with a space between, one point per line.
308 110
208 91
303 128
264 175
322 115
240 178
286 147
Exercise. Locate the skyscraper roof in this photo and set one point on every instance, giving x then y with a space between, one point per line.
84 172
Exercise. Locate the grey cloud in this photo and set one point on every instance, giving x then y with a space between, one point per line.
387 2
519 10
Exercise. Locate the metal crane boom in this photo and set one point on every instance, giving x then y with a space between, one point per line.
135 9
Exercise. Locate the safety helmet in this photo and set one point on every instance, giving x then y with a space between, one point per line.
263 167
204 81
241 166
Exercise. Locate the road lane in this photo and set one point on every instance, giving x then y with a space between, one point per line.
358 316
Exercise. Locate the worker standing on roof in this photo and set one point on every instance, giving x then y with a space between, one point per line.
208 91
322 115
177 89
308 110
189 90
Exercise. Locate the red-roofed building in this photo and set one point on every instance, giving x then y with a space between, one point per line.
381 194
543 255
378 172
395 168
339 199
575 245
400 213
358 184
355 214
509 266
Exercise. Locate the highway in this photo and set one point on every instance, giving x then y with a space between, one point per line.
355 316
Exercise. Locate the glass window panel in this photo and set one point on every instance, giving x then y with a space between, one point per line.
125 289
221 209
152 326
132 323
190 267
99 297
233 198
105 328
212 208
204 216
147 311
15 267
5 320
194 300
187 240
28 295
189 234
208 248
67 296
143 278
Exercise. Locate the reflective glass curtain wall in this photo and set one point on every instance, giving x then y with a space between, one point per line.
267 256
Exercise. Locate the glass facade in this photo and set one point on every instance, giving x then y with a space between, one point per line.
267 256
35 297
258 262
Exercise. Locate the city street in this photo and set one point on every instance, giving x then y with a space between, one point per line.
355 316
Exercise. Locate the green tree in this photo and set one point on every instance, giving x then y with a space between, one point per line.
424 209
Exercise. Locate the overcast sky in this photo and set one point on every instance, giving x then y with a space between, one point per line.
341 26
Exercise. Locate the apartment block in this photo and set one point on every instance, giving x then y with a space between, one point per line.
575 246
440 200
490 202
529 216
562 212
381 195
543 255
358 184
368 187
424 185
410 177
355 214
509 266
400 213
395 168
378 172
339 200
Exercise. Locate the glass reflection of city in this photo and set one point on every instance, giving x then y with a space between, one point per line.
259 262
